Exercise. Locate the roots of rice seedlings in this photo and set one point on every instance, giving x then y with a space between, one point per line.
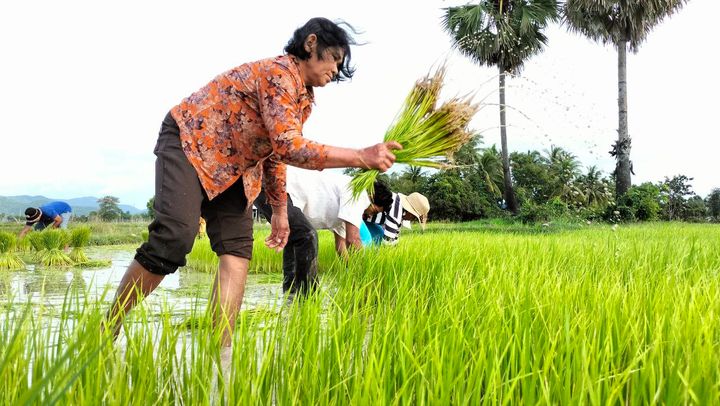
79 239
77 255
10 260
54 242
55 258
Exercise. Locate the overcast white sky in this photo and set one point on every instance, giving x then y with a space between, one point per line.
85 85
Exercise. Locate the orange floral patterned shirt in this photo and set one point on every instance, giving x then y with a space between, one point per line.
247 122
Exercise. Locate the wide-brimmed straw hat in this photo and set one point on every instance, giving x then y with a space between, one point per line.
417 205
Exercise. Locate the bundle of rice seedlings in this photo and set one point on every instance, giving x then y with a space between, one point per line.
79 238
23 245
8 257
54 242
35 240
429 135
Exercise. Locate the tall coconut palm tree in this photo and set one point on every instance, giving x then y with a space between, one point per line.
503 34
624 24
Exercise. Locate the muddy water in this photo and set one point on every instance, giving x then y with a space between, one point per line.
179 291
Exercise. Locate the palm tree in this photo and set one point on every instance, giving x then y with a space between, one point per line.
502 34
624 24
594 188
491 170
564 169
413 173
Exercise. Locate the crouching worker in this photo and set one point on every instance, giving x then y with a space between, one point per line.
321 201
219 146
53 214
385 225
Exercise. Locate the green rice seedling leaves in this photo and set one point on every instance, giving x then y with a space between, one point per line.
94 263
79 238
53 255
536 318
35 240
429 135
9 259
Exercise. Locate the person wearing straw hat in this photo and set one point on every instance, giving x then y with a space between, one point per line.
385 226
53 214
322 201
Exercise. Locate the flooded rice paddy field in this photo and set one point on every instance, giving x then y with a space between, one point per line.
179 291
454 315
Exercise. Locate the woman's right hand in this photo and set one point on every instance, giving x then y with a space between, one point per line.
378 156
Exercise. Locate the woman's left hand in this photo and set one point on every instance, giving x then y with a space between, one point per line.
279 229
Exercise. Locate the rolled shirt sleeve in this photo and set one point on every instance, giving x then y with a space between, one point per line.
275 181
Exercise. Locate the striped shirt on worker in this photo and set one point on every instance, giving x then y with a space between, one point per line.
390 221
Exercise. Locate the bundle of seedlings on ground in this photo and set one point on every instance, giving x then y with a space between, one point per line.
94 263
9 259
429 135
55 242
35 240
23 245
79 238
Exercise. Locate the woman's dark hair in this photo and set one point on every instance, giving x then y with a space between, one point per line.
329 34
382 196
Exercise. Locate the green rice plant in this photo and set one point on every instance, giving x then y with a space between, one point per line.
580 316
94 263
54 242
79 238
9 259
202 258
35 238
23 245
429 135
264 261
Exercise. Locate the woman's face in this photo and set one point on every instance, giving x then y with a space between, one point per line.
408 216
319 71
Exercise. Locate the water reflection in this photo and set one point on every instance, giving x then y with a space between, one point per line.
53 282
182 290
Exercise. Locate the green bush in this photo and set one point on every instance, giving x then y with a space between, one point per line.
643 201
533 213
619 214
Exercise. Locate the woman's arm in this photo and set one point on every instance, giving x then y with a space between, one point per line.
378 156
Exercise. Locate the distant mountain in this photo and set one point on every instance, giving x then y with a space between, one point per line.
16 205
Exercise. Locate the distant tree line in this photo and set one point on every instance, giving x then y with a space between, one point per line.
109 210
549 184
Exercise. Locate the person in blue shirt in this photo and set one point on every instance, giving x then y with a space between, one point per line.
53 214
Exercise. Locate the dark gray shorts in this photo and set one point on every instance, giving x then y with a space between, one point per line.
180 201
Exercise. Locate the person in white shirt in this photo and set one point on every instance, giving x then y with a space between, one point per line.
320 201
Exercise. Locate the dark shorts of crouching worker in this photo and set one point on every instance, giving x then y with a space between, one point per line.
180 200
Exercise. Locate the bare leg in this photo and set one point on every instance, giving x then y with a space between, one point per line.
136 280
228 293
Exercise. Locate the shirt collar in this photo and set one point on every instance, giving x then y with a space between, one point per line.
307 92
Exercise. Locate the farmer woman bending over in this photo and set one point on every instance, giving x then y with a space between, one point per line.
220 145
